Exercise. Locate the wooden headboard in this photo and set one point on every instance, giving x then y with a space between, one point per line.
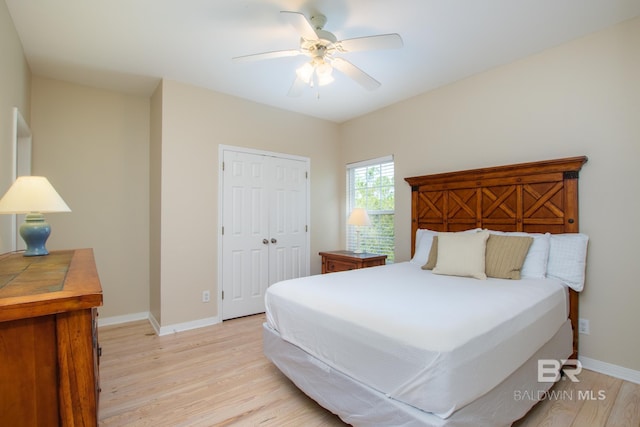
535 197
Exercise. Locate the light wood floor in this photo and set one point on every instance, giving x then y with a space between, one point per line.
218 376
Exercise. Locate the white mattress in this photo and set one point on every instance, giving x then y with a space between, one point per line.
434 342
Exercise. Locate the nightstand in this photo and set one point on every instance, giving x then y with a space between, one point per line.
333 261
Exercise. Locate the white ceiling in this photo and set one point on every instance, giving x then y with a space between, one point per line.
128 45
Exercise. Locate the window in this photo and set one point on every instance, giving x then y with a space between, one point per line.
370 185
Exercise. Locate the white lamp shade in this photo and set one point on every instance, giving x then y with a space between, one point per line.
324 71
359 216
305 72
32 194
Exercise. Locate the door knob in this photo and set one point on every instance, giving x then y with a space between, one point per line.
265 241
274 241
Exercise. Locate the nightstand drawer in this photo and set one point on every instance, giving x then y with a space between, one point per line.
374 262
335 261
338 265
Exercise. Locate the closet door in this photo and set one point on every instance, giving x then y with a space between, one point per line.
264 236
288 258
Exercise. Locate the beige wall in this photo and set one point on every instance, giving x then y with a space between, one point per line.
195 122
93 145
580 98
15 78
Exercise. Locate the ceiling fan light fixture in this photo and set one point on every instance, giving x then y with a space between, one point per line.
325 80
324 71
320 72
305 73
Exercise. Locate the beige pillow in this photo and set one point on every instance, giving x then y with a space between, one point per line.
433 255
505 255
433 251
462 254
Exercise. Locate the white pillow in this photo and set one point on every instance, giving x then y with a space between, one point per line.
462 254
568 259
424 238
535 263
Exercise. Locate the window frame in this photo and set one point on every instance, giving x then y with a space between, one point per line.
376 216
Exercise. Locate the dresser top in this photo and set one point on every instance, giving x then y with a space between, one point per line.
36 286
21 275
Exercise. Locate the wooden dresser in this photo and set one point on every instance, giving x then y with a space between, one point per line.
48 339
333 261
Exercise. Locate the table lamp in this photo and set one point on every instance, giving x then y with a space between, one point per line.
33 195
359 218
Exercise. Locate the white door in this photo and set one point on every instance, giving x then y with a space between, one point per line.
288 257
264 215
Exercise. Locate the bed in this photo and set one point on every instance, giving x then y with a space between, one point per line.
432 345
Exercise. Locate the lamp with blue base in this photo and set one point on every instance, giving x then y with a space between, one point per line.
35 231
33 195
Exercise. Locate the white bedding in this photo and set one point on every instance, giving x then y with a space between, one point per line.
433 342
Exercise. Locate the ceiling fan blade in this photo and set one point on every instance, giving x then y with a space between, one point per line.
297 88
347 68
301 24
383 41
268 55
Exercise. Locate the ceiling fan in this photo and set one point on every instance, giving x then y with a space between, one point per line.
321 47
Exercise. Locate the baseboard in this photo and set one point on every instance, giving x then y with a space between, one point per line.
116 320
160 330
180 327
154 324
610 369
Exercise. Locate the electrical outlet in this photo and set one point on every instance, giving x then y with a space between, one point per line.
206 296
583 326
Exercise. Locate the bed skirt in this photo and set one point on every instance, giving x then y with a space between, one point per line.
360 405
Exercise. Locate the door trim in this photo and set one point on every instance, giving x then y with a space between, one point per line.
21 165
221 149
